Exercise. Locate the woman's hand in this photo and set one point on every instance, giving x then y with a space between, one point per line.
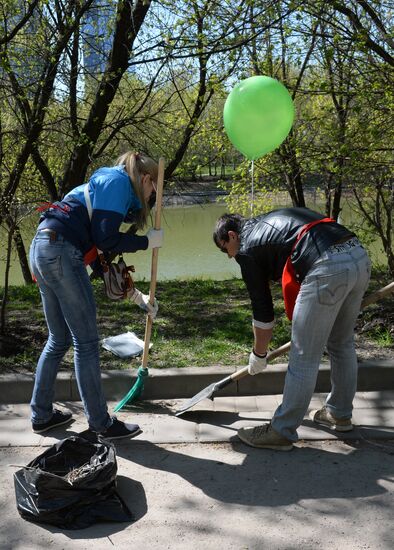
142 300
155 238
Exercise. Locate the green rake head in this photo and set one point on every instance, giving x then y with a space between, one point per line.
136 391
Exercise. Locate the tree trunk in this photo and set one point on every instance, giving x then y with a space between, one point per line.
223 168
20 247
293 175
203 98
35 118
6 284
129 19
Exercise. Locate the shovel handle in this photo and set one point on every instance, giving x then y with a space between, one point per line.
375 296
271 355
372 298
155 257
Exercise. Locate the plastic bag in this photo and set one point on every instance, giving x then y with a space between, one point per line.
71 485
124 345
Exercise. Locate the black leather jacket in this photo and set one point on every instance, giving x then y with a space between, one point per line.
267 241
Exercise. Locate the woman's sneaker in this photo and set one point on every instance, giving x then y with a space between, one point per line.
120 430
59 418
325 418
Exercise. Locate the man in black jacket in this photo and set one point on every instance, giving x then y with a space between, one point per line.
332 270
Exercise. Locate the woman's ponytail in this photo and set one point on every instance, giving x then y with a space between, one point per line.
137 165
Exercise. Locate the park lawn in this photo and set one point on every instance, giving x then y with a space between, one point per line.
200 323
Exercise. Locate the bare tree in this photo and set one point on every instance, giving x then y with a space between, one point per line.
32 111
367 20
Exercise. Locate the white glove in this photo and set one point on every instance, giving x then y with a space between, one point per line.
155 238
256 364
142 300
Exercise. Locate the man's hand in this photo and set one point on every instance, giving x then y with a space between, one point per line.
256 364
155 238
142 300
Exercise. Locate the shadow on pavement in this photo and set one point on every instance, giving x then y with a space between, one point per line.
271 478
361 431
158 407
220 418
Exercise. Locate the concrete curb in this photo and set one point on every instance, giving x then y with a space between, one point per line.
374 375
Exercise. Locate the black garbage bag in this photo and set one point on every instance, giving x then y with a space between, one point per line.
71 485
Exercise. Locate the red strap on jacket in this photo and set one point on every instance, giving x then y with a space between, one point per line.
90 256
290 285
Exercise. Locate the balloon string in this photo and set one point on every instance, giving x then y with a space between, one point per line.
252 201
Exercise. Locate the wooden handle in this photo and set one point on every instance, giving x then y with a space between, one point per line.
155 257
374 297
271 355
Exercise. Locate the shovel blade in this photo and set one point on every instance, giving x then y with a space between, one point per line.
206 393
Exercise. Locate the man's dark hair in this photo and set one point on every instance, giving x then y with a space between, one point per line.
226 223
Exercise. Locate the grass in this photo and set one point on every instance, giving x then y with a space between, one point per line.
200 323
383 337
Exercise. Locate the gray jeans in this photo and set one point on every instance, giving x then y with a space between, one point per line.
325 314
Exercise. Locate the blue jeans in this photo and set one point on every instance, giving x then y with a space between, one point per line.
325 314
70 313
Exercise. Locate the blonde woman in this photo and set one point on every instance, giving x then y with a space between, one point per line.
66 233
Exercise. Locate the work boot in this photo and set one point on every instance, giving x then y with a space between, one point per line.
264 437
325 418
59 418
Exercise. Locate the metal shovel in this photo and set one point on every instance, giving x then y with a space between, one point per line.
210 391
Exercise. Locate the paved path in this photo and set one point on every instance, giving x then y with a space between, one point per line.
191 483
208 421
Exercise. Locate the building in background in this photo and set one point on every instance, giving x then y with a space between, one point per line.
96 35
25 55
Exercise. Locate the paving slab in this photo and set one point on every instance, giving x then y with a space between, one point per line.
374 399
190 482
326 495
208 422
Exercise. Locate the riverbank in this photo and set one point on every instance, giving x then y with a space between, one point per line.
207 191
200 323
204 191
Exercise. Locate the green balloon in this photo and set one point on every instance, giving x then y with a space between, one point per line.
258 115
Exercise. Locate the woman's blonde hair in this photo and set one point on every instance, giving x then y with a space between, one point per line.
137 165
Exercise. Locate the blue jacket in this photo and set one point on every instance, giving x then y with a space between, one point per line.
113 201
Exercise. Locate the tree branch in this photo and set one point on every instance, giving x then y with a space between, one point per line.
365 36
129 19
7 38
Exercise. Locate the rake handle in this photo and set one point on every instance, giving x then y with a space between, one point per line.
372 298
155 257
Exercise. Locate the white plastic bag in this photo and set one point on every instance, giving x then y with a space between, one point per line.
124 345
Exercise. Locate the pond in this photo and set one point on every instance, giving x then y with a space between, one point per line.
188 249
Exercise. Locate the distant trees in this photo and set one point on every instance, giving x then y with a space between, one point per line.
165 70
336 60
